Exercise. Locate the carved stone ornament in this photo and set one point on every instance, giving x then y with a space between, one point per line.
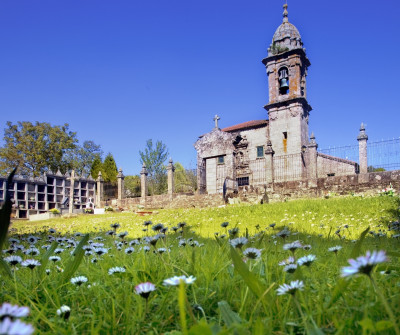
294 112
273 115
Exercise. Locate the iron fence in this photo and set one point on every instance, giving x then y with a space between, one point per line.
383 154
289 167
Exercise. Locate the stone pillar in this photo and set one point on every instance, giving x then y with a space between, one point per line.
269 165
362 139
201 175
71 192
143 183
99 189
121 185
312 168
171 180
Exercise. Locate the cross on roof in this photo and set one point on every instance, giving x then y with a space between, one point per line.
216 118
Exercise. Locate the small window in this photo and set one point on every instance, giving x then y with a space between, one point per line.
243 181
221 159
260 151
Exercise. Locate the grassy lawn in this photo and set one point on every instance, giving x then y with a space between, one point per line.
232 293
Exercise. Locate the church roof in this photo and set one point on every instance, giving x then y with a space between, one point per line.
246 125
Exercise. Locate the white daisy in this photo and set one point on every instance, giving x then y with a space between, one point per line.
129 250
32 251
144 289
13 311
116 269
364 264
79 280
292 246
100 251
291 288
30 263
174 281
13 260
252 253
238 242
306 260
64 311
335 249
55 258
290 268
9 327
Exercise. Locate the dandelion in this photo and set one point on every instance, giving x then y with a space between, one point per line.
13 311
64 311
79 280
7 326
306 260
13 260
364 264
238 242
174 281
252 253
335 249
292 288
144 289
116 269
31 263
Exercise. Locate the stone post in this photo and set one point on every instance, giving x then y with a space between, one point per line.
143 183
362 139
121 185
71 192
171 180
99 189
201 183
269 166
312 168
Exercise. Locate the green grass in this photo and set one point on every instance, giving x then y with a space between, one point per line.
225 298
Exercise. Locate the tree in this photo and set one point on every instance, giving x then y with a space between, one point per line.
83 157
132 186
154 159
36 148
185 180
110 168
97 166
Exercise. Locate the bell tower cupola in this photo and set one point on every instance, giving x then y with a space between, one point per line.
288 109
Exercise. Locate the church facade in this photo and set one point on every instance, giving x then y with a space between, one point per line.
258 153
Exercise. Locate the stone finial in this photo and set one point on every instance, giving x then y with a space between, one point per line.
144 170
362 135
170 165
285 13
120 174
269 149
216 118
312 143
100 176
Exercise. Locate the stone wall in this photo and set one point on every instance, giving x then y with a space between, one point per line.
329 165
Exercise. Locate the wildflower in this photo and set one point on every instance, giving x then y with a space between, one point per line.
12 311
164 230
100 251
146 248
115 225
7 326
335 249
58 251
238 242
116 269
59 269
291 288
175 229
134 242
30 263
224 224
123 235
233 232
64 311
13 260
364 264
129 250
306 260
307 247
292 246
55 258
283 233
13 240
182 243
52 231
289 260
110 232
48 271
252 253
290 268
144 289
181 224
88 252
174 281
153 240
161 250
272 225
157 227
147 223
32 239
79 280
32 251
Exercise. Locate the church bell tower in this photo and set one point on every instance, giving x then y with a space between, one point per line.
288 109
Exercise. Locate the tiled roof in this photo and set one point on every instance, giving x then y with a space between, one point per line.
247 125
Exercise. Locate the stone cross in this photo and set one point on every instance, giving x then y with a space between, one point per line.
216 118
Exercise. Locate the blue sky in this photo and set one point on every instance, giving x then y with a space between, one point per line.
123 71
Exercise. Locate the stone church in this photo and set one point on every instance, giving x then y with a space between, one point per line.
256 154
